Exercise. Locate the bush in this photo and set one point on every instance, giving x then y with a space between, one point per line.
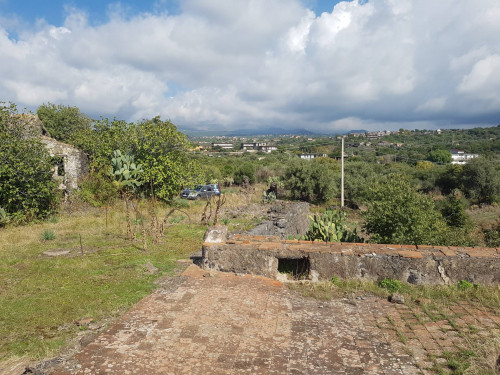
244 170
481 181
311 181
4 218
27 190
97 188
398 214
453 212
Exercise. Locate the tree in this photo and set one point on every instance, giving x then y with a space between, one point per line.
399 214
481 181
63 123
450 179
246 169
453 211
161 150
27 190
105 136
440 156
312 180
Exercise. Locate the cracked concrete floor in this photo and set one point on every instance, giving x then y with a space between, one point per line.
228 324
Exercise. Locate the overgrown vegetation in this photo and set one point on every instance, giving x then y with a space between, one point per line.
27 190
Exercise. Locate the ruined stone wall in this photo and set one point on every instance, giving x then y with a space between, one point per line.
261 255
76 164
284 218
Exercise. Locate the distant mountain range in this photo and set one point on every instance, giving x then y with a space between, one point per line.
256 131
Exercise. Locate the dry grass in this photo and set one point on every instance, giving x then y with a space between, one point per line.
100 277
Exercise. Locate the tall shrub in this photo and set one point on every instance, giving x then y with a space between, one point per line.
399 214
27 190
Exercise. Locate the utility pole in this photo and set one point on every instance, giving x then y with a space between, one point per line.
342 178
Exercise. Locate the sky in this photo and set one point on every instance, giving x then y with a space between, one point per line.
319 65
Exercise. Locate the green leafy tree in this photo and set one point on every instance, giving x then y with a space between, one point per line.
450 179
246 169
453 212
64 123
162 151
439 156
311 181
105 136
399 214
481 181
27 190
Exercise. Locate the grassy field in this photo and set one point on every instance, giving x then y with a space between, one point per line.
101 276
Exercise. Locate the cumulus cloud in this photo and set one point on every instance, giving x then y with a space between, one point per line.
252 63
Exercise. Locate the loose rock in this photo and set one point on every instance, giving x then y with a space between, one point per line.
397 298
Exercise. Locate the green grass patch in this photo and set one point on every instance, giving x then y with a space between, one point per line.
41 297
48 235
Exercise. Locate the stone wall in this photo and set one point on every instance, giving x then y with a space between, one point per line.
76 164
284 218
261 255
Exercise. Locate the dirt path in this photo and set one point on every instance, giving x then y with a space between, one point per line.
227 324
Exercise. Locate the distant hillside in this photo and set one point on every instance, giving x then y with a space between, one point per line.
245 132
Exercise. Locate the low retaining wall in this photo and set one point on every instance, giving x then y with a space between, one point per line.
265 255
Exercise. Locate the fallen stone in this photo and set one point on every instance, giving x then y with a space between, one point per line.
31 370
150 269
397 298
84 322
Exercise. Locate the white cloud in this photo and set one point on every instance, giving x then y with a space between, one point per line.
484 79
267 63
433 105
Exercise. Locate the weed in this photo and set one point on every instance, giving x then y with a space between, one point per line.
225 221
334 280
137 221
460 361
391 320
472 328
176 219
180 203
464 285
48 235
53 219
393 285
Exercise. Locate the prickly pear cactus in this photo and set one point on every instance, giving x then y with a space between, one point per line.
125 171
329 227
